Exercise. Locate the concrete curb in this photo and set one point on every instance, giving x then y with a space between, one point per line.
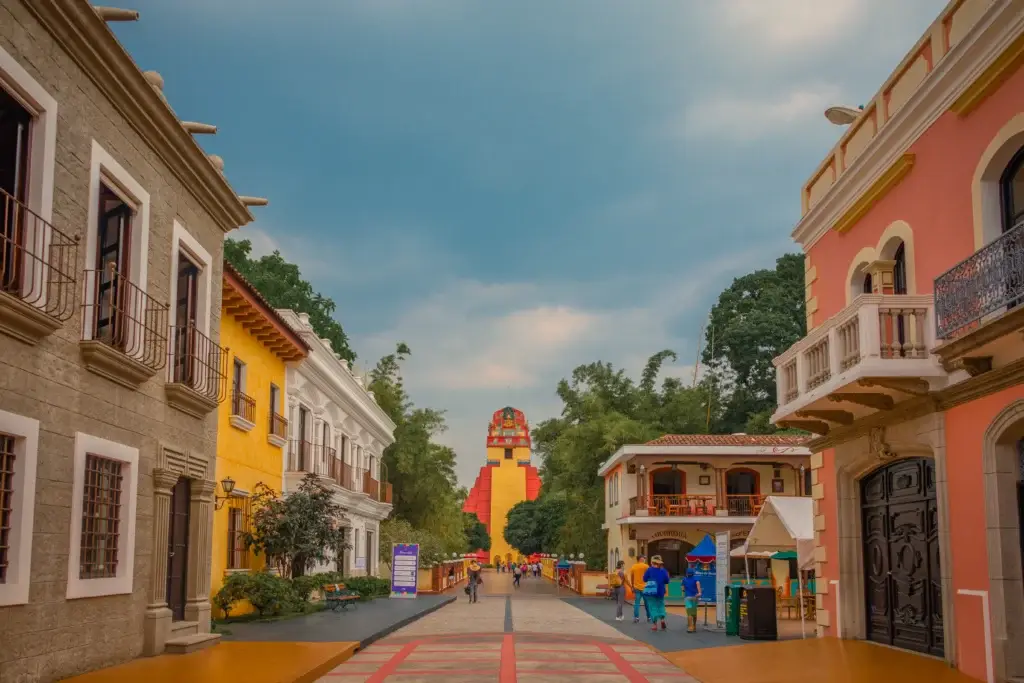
388 630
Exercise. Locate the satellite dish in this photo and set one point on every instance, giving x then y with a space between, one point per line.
842 116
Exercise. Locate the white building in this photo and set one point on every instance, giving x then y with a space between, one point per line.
337 431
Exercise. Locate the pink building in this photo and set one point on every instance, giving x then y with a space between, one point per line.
911 371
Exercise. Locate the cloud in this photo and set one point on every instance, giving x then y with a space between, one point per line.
746 118
790 25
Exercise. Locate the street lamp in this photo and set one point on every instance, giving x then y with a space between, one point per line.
227 484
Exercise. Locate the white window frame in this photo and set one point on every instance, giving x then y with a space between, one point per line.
122 583
182 240
105 170
25 431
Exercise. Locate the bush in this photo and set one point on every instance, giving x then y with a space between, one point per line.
269 593
235 588
303 586
368 587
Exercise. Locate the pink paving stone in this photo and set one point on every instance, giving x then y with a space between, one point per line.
596 666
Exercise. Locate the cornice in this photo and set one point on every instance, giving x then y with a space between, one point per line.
328 383
92 45
965 62
993 77
888 180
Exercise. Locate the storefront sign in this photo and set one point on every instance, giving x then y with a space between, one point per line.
669 534
405 564
722 549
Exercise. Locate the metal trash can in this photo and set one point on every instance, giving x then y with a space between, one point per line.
732 610
757 613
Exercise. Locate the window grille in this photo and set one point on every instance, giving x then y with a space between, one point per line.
6 501
101 517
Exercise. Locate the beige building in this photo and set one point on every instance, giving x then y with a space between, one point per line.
111 241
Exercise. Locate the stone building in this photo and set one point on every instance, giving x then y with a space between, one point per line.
111 242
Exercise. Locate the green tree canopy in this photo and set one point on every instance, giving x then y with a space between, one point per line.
282 285
534 525
477 537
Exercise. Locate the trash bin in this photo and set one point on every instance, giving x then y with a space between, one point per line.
757 613
732 610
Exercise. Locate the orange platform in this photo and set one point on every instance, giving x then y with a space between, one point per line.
263 662
815 660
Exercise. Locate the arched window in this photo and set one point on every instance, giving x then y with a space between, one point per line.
899 272
1011 190
867 287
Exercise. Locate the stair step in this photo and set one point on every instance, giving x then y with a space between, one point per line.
191 643
183 628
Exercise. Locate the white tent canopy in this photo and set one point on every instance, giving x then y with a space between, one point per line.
784 523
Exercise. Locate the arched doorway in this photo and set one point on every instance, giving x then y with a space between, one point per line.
902 581
673 554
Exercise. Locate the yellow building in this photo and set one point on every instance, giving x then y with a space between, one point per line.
251 431
507 479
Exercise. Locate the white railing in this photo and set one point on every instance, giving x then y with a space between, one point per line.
890 327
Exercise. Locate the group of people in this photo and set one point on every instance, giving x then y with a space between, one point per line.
518 570
648 583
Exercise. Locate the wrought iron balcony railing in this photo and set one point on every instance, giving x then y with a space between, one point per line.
37 261
988 281
117 313
198 363
278 425
318 459
243 406
687 505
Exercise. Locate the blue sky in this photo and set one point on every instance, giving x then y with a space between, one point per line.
515 188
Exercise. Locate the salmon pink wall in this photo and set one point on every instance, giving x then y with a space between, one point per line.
965 430
946 157
829 537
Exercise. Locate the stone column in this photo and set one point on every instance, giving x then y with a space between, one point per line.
882 277
158 616
200 542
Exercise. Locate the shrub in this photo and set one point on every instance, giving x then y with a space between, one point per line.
303 586
268 593
235 588
368 587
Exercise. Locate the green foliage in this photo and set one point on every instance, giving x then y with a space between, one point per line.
477 537
368 587
268 593
303 586
298 531
282 285
426 491
755 319
233 590
535 526
433 548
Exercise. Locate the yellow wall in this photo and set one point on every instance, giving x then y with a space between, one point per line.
508 487
247 457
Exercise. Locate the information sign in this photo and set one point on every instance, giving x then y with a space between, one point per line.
405 564
722 562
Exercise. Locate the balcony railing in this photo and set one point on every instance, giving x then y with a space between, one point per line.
990 280
371 486
197 362
243 406
278 425
345 477
886 327
386 493
37 261
686 505
304 456
118 314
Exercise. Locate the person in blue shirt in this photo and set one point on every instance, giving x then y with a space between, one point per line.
656 580
691 594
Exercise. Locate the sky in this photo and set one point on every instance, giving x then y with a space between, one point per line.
517 188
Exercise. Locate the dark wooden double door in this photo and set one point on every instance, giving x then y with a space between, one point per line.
902 581
177 549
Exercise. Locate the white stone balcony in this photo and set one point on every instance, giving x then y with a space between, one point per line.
871 355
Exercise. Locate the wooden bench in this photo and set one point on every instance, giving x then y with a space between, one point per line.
337 596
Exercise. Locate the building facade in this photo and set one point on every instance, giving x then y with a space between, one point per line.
252 431
665 496
508 478
111 239
911 371
337 431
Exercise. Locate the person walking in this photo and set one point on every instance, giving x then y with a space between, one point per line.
656 580
691 596
475 579
617 582
517 573
636 584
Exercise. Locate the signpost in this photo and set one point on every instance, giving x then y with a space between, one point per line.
722 568
405 564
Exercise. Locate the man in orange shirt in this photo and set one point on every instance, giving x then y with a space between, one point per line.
636 583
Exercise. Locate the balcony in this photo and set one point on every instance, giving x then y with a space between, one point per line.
371 486
37 273
870 356
277 430
124 330
346 478
243 411
309 458
977 306
658 505
196 380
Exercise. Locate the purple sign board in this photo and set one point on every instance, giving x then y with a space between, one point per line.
405 564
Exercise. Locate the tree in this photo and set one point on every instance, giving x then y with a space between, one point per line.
755 319
299 531
477 537
534 526
281 284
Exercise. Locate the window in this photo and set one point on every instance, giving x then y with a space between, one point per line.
508 453
1011 190
15 123
868 287
369 552
101 557
7 458
101 518
807 481
238 526
275 399
237 385
191 266
113 267
19 440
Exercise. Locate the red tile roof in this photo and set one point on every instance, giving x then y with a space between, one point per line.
729 440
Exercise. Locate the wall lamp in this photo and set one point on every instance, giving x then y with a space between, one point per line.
227 484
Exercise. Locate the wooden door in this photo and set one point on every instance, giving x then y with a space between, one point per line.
177 549
112 303
15 126
185 340
902 580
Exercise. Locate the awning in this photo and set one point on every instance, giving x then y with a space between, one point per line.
785 523
741 551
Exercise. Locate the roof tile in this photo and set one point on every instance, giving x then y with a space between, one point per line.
729 440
